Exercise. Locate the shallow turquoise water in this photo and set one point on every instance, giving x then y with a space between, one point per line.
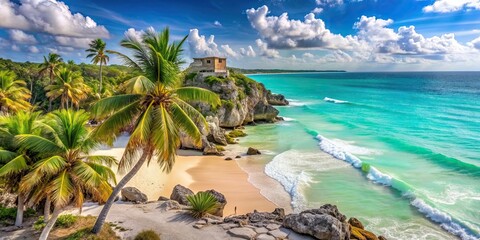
399 150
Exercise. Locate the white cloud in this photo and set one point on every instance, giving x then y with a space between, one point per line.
329 2
48 16
282 33
265 51
249 52
33 49
200 46
317 10
445 6
73 41
217 23
475 43
229 51
15 48
20 36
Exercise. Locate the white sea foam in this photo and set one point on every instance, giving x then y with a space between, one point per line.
379 177
445 220
287 119
349 146
327 99
296 103
331 148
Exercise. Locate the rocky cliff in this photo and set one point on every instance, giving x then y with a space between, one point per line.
244 101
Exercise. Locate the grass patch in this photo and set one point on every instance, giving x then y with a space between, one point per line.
80 230
201 204
243 81
191 76
229 139
228 104
147 235
210 80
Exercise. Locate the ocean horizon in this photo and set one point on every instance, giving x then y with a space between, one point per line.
397 149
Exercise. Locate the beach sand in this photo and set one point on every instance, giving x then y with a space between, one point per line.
199 173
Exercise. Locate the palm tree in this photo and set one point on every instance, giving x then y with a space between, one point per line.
155 104
98 54
15 160
49 66
69 86
13 93
66 171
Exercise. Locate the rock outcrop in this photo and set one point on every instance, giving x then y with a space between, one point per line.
325 222
180 193
169 205
221 200
276 99
132 194
253 151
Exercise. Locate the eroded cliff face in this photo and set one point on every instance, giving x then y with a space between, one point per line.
243 100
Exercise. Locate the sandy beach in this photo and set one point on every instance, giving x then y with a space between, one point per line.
198 173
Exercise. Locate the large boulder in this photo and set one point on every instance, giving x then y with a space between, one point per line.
276 99
216 133
253 151
355 223
132 194
259 219
325 222
222 201
211 149
361 234
180 193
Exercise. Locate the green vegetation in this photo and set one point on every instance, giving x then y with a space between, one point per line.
81 230
7 214
228 104
147 235
220 148
245 82
237 133
39 224
210 80
230 140
201 204
66 220
97 51
190 76
13 93
156 106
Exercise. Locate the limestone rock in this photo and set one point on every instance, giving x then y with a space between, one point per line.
162 198
361 234
8 200
211 149
261 230
272 226
265 237
253 151
276 99
222 201
216 134
180 194
278 234
245 233
169 205
325 222
132 194
355 223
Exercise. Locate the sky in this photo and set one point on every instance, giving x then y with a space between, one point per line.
352 35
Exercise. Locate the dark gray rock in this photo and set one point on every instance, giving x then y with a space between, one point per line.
162 198
228 158
253 151
131 194
325 222
238 156
180 193
276 99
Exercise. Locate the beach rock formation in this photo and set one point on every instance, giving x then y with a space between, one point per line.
216 133
253 151
7 199
169 205
257 219
242 232
180 193
355 223
222 201
276 99
132 194
325 222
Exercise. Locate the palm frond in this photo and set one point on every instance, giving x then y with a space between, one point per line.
198 95
107 106
38 144
61 189
15 165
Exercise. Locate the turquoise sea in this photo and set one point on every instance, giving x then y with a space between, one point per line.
400 151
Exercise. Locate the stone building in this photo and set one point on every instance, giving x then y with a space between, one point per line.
210 66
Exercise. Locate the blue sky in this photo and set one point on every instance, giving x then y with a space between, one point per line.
355 35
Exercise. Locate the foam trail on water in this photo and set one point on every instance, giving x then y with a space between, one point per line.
444 219
333 100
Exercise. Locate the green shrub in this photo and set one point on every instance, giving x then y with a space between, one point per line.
190 76
66 220
201 204
7 213
237 133
39 224
229 139
243 81
147 235
210 80
228 104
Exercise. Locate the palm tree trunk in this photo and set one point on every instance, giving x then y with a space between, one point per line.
20 208
106 208
50 224
46 209
50 100
100 88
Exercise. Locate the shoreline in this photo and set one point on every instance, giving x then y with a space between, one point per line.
199 173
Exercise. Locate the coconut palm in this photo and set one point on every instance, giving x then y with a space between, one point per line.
49 66
13 93
98 54
155 104
69 87
15 161
66 171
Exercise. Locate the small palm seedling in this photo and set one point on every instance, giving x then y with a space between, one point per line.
201 204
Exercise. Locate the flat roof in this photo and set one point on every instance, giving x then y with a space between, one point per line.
211 57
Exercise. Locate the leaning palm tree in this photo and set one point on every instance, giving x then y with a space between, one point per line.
98 54
155 104
49 66
15 161
69 87
66 171
13 93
